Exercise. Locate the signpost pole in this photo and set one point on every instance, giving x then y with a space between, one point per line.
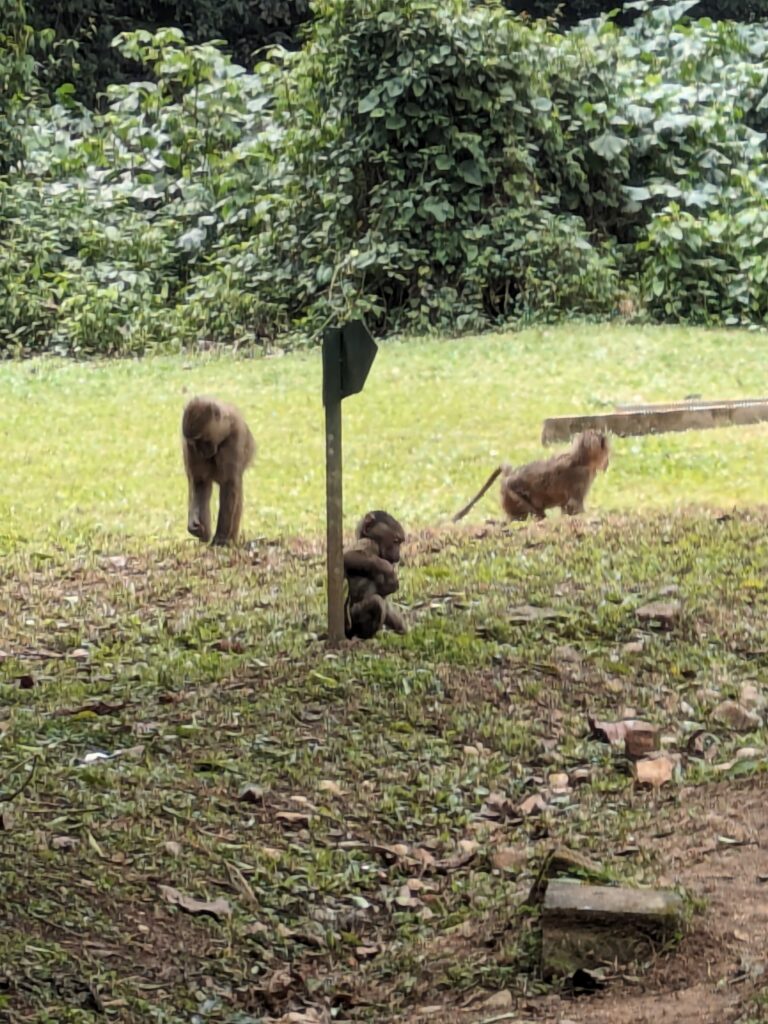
348 354
333 484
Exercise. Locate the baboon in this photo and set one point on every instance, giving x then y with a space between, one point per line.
369 569
562 480
218 448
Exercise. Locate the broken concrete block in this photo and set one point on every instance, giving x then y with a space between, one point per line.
588 926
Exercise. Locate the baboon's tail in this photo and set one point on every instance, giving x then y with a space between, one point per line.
478 496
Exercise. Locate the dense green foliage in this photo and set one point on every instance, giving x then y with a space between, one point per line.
438 166
568 14
85 30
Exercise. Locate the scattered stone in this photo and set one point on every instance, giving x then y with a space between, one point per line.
748 753
173 848
736 717
64 842
498 1001
509 858
586 926
580 776
559 782
634 647
662 615
250 794
641 738
703 744
655 771
751 698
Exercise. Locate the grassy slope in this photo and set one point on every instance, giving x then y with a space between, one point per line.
206 666
91 448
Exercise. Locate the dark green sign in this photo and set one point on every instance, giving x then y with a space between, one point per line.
348 355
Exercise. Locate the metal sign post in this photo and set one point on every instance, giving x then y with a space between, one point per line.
348 354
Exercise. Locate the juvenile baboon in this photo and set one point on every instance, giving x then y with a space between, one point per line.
218 448
369 568
562 480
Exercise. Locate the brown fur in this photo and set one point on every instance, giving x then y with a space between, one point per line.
561 481
371 577
218 448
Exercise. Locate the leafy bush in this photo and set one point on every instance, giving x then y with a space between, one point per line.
436 166
570 13
84 30
17 78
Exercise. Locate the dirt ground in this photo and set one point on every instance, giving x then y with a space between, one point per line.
716 849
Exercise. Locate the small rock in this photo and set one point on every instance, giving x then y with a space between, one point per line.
559 782
173 848
751 698
251 794
498 1001
748 753
641 739
663 615
64 842
509 858
707 694
655 771
580 776
634 647
736 717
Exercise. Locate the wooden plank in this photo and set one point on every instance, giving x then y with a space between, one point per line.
648 420
690 403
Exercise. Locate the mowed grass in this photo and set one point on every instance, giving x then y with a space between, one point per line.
93 448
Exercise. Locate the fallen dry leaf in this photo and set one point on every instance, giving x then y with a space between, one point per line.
509 858
367 952
64 842
292 819
534 804
329 786
217 908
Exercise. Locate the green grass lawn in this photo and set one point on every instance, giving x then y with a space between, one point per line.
382 862
91 448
